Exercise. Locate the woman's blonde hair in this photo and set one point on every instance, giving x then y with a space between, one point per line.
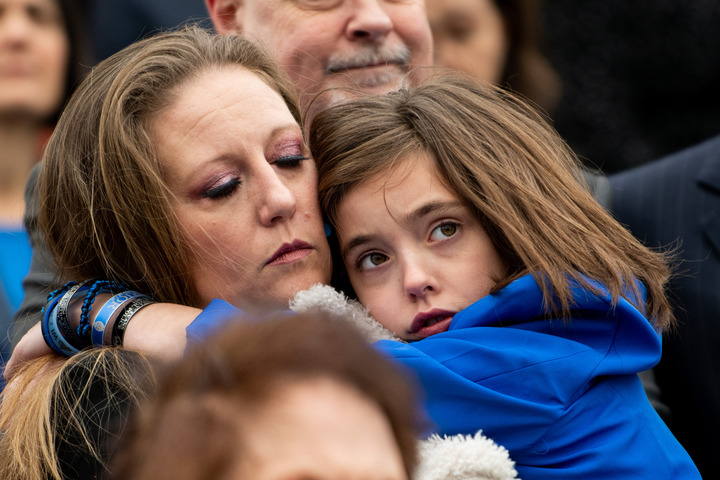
510 167
104 207
60 418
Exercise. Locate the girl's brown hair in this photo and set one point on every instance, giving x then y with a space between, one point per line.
104 207
510 167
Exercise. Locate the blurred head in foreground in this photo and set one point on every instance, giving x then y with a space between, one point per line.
288 397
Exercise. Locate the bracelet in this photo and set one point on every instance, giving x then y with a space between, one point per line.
103 319
118 331
52 335
51 332
68 332
100 286
55 325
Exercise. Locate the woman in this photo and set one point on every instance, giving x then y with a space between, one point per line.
41 59
245 169
496 41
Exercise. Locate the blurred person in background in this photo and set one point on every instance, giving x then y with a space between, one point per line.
497 41
675 202
42 55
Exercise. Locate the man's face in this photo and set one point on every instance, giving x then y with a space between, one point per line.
366 45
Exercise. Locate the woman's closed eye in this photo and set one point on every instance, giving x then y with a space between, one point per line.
289 161
223 190
444 231
371 260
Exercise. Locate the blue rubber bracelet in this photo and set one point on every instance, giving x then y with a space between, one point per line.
57 337
44 328
52 336
106 313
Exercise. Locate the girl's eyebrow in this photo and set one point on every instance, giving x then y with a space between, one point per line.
357 242
428 208
408 219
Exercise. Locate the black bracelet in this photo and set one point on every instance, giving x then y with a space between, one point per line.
118 331
63 322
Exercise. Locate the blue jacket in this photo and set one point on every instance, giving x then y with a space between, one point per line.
563 397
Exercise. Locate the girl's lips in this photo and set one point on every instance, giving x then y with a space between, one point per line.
439 327
430 323
290 253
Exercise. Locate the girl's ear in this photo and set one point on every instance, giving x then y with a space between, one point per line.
226 15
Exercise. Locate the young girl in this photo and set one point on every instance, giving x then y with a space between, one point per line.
528 310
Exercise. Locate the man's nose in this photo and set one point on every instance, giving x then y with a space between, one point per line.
369 21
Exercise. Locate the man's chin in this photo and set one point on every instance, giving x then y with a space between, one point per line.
339 88
372 80
342 88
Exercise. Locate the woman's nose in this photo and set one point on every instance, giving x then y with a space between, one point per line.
15 27
277 201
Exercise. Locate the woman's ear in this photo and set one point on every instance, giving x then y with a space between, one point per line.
226 15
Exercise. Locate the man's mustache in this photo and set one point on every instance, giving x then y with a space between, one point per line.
398 54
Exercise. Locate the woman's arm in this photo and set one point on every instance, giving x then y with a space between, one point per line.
157 330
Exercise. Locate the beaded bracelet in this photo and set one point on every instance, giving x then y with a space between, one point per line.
105 319
118 331
98 287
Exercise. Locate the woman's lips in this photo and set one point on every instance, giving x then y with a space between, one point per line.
290 253
430 323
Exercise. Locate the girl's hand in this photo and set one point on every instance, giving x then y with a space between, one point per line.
31 346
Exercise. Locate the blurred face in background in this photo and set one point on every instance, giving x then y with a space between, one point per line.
34 53
470 36
322 44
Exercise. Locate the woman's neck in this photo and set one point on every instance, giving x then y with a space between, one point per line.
21 142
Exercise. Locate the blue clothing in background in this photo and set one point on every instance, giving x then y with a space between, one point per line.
15 253
563 397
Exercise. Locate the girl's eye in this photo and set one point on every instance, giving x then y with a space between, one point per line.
289 161
444 231
223 190
371 260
